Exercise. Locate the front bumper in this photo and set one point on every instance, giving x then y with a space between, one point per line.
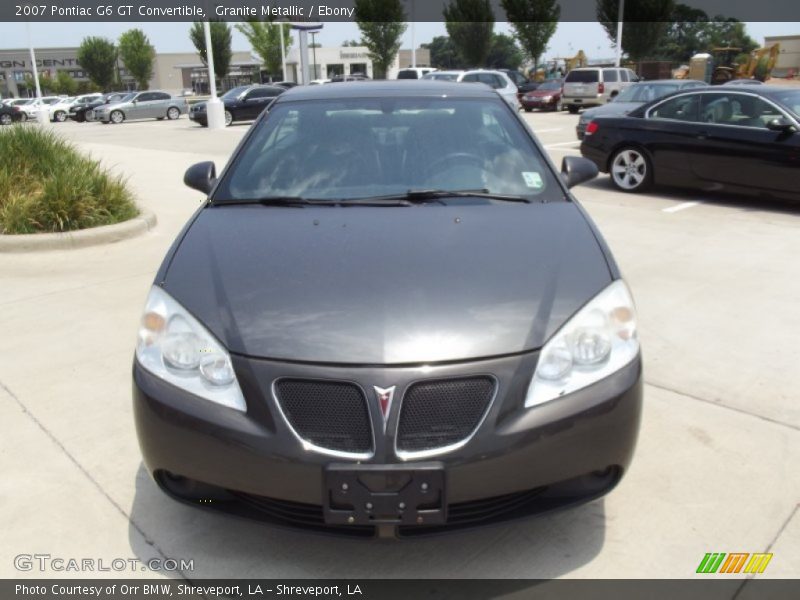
519 461
199 117
539 103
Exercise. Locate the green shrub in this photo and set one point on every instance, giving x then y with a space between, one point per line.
47 185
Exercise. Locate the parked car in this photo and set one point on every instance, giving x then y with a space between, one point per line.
594 86
84 111
33 106
319 81
351 77
524 85
9 114
286 84
414 72
452 75
546 96
740 139
501 377
142 105
242 103
633 97
60 110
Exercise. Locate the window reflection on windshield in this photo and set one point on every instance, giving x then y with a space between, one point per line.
362 148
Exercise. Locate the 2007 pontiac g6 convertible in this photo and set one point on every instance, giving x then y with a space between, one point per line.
390 317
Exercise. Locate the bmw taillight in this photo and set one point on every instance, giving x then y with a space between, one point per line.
601 88
591 128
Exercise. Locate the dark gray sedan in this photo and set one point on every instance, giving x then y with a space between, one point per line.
633 97
390 317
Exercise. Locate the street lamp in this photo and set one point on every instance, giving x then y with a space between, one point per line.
620 20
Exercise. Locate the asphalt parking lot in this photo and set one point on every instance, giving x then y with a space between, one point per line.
716 280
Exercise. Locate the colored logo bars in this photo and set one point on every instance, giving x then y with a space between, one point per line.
719 562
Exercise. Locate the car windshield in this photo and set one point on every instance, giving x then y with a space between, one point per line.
347 149
550 85
791 100
645 92
235 92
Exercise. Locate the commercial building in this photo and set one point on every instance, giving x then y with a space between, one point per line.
789 56
176 73
326 62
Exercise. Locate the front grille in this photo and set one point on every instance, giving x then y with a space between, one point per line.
297 514
483 511
328 414
435 414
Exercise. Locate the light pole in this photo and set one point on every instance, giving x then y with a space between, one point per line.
215 111
413 40
620 20
283 53
41 114
314 52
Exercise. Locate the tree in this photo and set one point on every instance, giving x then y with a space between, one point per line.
444 54
470 24
382 24
65 83
138 55
264 38
351 44
691 31
98 58
220 45
644 24
534 22
46 83
504 53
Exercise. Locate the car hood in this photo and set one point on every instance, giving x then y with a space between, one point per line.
538 93
386 285
612 109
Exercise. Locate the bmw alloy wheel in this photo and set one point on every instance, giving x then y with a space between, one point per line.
630 170
173 113
228 118
60 116
5 119
117 117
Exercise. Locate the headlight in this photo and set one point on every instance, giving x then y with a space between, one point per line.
546 98
598 341
174 346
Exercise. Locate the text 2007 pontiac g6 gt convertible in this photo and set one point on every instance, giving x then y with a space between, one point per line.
390 317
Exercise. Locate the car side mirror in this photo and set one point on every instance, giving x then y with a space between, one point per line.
201 176
781 124
576 170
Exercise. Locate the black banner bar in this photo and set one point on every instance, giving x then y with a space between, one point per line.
712 587
344 10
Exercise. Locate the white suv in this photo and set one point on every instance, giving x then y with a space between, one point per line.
594 86
499 81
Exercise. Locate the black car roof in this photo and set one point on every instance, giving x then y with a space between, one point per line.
387 89
769 91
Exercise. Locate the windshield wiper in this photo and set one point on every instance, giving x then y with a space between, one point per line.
423 196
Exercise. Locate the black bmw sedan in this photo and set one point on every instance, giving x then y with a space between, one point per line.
242 103
389 317
744 139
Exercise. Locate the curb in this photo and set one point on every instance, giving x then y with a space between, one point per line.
107 234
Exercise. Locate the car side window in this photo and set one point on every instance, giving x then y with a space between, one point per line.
681 108
161 96
471 77
632 76
742 110
256 93
610 75
623 76
146 97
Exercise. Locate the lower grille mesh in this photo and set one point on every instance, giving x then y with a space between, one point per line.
328 414
435 414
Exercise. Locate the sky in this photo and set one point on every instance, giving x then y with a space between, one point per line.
174 37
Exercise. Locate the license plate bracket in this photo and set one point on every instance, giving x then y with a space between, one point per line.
385 494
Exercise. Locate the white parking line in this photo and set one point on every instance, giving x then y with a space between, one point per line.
681 206
575 144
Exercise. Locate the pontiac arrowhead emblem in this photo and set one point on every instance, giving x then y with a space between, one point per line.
385 397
